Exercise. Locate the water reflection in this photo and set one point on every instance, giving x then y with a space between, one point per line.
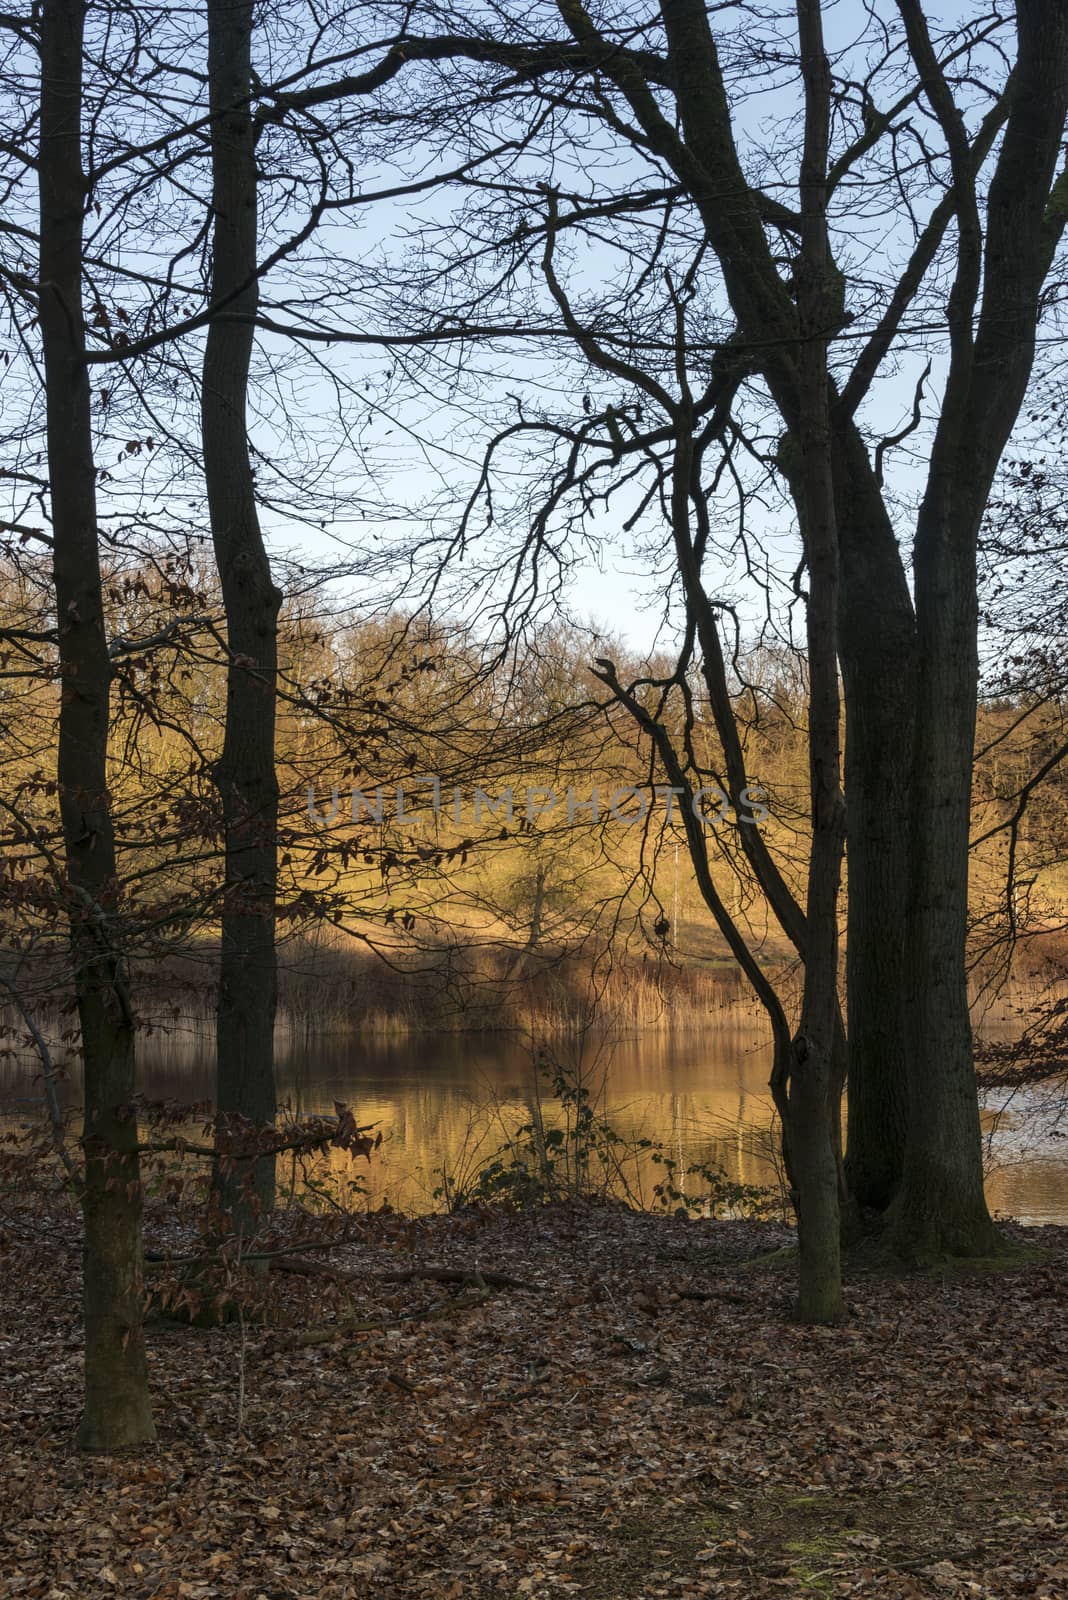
444 1104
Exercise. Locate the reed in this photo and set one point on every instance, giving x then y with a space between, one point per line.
337 988
336 985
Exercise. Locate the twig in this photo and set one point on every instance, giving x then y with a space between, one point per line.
241 1365
222 1258
286 1261
732 1296
272 1143
495 1280
351 1325
48 1076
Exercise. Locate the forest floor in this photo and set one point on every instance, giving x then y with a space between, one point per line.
644 1420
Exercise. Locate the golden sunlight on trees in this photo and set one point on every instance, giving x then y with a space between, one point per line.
543 522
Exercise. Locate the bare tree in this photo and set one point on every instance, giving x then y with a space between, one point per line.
983 210
117 1412
245 774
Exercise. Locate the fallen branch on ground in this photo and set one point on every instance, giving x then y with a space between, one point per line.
352 1325
495 1280
286 1261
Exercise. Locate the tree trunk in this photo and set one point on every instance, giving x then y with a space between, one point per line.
815 1092
877 648
117 1412
245 774
941 1207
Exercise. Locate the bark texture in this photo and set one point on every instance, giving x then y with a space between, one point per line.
117 1412
815 1090
877 653
245 775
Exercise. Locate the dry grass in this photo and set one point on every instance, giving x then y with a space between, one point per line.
500 990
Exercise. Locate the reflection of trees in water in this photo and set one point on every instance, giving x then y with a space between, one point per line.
466 1108
452 1100
1033 1190
1025 1128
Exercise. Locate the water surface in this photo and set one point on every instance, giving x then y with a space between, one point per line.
445 1104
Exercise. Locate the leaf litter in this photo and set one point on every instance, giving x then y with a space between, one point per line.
572 1401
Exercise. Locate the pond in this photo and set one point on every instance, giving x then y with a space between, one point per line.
445 1104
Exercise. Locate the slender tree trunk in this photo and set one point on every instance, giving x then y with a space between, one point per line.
245 774
117 1412
815 1089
